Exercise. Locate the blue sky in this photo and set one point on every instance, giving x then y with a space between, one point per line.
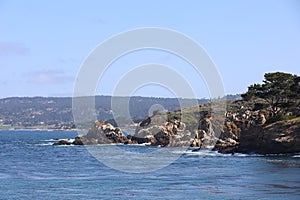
43 43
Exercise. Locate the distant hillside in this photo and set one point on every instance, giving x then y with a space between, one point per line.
56 112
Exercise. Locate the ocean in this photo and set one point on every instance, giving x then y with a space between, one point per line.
32 168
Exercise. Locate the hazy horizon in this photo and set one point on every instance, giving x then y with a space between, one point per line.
100 95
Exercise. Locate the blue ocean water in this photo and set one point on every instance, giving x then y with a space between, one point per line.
31 168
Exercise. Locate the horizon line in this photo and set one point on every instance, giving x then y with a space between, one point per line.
11 97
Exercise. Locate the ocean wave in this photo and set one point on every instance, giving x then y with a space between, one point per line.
51 140
143 144
45 144
195 152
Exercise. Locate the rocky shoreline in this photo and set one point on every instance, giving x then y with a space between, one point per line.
242 131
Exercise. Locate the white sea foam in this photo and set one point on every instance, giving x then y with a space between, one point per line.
212 153
50 140
45 144
202 153
198 153
143 144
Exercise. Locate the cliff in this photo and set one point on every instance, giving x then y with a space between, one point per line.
281 137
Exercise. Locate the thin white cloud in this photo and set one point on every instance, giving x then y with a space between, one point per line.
10 48
49 77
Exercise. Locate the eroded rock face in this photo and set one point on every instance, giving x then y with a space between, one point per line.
100 133
161 131
103 133
137 140
207 133
277 138
226 146
253 135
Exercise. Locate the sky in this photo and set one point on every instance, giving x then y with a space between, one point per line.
43 44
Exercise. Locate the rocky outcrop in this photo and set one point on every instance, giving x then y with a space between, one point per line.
103 133
277 138
244 131
204 135
256 136
100 133
226 146
163 130
64 142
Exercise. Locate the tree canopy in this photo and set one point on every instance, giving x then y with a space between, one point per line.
278 90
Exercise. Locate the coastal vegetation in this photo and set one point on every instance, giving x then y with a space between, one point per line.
279 94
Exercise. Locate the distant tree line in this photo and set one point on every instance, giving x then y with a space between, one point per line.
57 111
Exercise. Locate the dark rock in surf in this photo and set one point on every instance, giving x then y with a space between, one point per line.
63 142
